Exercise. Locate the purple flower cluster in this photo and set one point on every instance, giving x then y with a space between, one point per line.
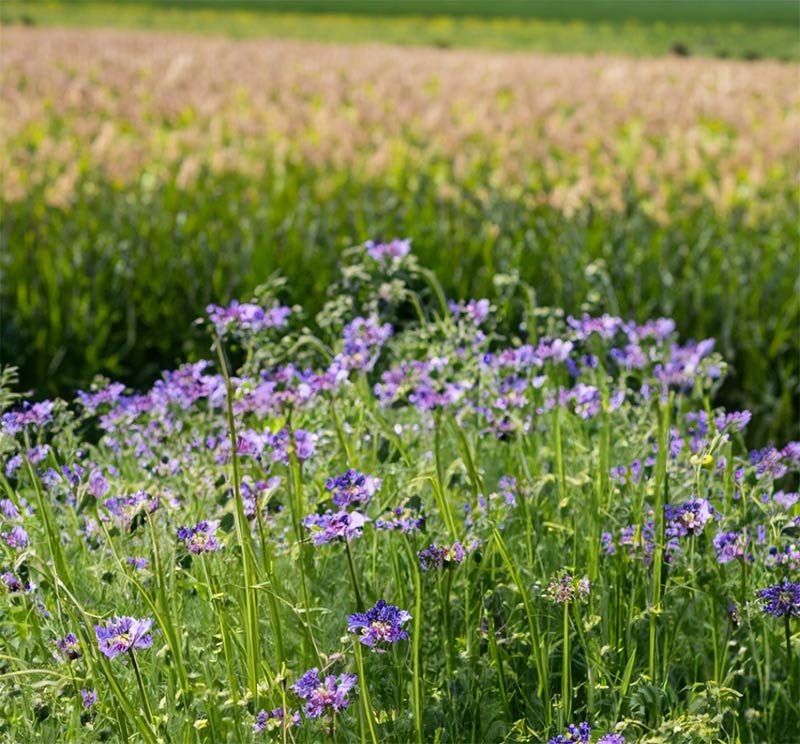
688 518
582 733
35 415
363 340
441 556
402 518
782 599
274 719
380 626
324 695
200 538
352 487
68 647
16 538
125 509
331 526
579 734
89 697
124 634
245 316
476 311
394 250
731 546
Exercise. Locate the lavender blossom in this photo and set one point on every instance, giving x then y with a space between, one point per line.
352 487
342 525
380 626
124 634
328 695
782 599
200 538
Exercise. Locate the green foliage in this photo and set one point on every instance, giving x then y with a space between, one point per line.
710 28
110 283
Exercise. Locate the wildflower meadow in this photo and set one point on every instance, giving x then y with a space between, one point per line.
405 517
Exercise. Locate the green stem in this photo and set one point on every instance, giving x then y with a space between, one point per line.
566 667
145 701
351 565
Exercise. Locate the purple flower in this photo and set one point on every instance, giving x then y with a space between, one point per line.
402 518
29 414
476 311
611 739
68 647
13 464
17 538
363 340
441 556
730 546
324 695
200 538
13 582
380 625
786 500
735 421
352 487
277 718
688 518
246 317
340 526
9 509
781 600
768 462
138 563
305 445
394 250
123 634
89 698
127 508
579 734
98 485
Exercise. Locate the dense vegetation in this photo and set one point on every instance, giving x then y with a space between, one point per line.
411 527
719 28
111 283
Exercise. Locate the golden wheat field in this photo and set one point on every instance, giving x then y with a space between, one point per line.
566 129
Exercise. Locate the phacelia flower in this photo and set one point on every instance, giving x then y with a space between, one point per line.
340 526
611 739
730 545
402 518
441 556
393 250
68 647
273 719
564 587
98 485
328 695
579 734
200 538
13 582
781 600
17 538
247 317
123 634
352 487
380 626
688 518
89 697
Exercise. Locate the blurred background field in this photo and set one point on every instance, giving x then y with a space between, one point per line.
148 173
723 28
